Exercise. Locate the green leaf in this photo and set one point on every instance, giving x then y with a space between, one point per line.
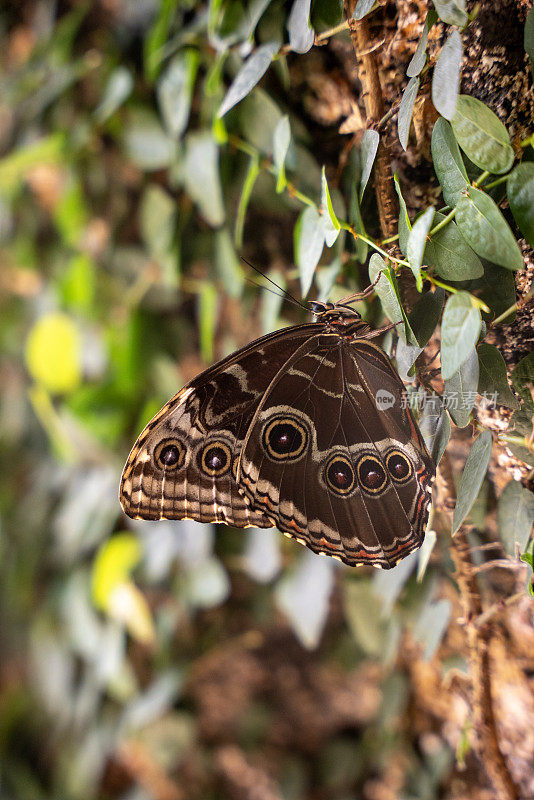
430 627
418 59
520 192
250 179
459 332
484 228
228 264
425 315
388 292
147 144
515 517
496 288
472 478
452 11
156 38
281 142
201 177
301 34
309 243
248 76
363 7
482 136
175 89
450 256
15 165
359 607
331 224
207 313
521 426
446 77
435 426
53 353
368 149
406 110
529 37
416 244
404 220
492 380
118 88
304 597
448 164
460 391
406 354
424 554
523 378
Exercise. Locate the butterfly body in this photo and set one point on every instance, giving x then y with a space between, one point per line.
290 432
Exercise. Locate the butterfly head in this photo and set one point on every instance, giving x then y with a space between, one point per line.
338 314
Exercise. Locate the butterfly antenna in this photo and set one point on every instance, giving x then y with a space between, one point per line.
284 294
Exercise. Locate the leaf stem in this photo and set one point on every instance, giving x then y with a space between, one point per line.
450 216
514 307
496 182
481 178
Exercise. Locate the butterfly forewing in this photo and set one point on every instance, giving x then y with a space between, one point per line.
183 463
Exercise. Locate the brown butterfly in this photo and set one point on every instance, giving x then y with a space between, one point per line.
306 429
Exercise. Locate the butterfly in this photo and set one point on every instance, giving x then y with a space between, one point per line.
306 429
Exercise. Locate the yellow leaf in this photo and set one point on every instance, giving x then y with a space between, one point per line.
53 353
113 565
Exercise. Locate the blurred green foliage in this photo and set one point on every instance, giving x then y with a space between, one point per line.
125 203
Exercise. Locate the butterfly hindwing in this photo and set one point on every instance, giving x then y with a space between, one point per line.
331 468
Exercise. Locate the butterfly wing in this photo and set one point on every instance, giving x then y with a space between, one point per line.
183 463
329 467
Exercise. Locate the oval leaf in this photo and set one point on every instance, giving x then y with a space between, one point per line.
418 60
416 244
459 332
450 255
529 36
362 8
248 76
301 34
387 291
448 164
520 192
201 177
54 353
304 597
446 77
425 315
174 91
481 135
472 478
523 379
431 625
368 148
515 517
435 426
460 391
406 110
404 220
309 243
281 142
452 11
331 225
484 228
492 381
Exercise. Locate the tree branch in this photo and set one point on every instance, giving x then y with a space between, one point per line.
374 108
478 639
